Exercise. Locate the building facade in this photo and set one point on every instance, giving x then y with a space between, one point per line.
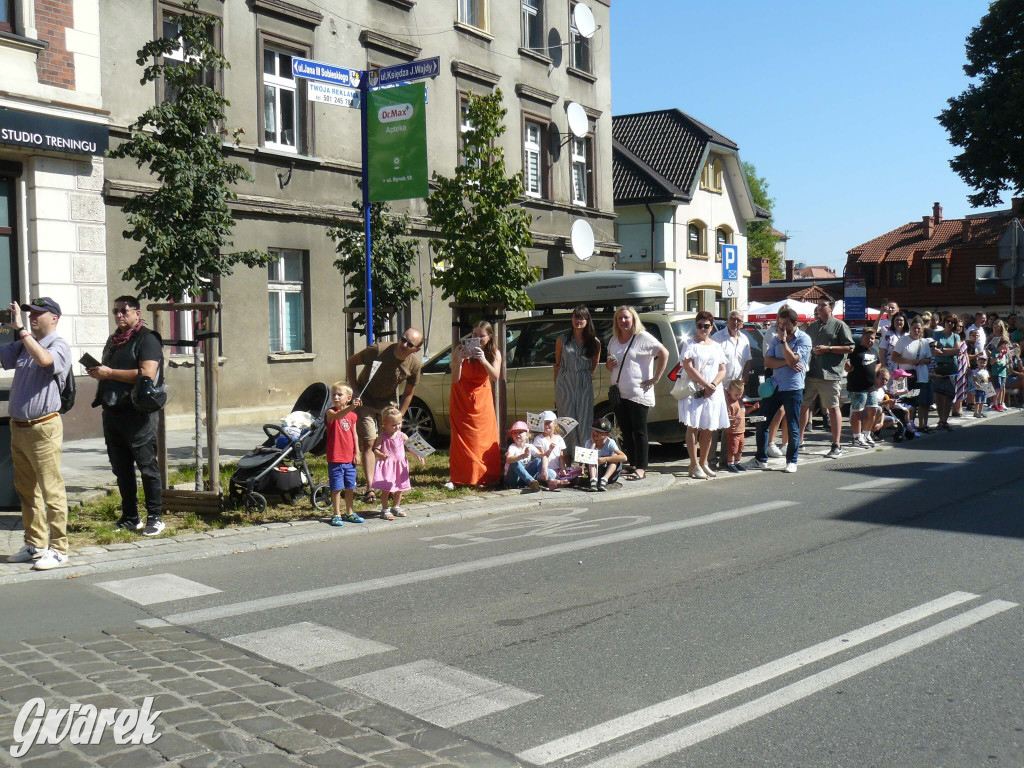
53 133
285 327
680 195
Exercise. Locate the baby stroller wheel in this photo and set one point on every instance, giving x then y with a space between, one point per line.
255 503
321 496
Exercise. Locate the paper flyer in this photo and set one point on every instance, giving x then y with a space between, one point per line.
534 422
373 370
418 446
568 424
585 456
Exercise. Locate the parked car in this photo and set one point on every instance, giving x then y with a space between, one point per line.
530 351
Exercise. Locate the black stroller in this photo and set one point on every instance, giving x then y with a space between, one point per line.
279 464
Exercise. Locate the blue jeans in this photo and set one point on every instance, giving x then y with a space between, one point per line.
519 476
790 401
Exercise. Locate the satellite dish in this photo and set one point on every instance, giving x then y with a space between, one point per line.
578 121
581 237
583 20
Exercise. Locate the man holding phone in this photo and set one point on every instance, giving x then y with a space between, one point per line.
41 361
789 356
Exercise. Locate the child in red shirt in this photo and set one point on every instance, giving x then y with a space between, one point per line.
342 456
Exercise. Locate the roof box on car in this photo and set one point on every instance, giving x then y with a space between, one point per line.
645 289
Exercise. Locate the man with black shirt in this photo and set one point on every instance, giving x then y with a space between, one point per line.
860 383
132 351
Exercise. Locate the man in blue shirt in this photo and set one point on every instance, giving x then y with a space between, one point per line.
788 355
37 432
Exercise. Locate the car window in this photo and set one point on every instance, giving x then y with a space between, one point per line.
683 330
755 338
539 349
512 336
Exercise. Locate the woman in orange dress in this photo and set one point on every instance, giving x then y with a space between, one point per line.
475 454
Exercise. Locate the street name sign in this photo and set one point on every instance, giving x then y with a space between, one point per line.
325 73
414 70
325 93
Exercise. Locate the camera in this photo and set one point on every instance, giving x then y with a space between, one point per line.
6 316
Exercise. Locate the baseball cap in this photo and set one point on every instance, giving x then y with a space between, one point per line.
602 425
548 416
42 304
899 373
519 426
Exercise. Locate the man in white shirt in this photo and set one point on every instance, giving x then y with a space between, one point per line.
979 326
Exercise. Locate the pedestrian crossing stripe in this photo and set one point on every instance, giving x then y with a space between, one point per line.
158 588
306 645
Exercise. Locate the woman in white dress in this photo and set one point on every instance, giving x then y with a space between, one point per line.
704 412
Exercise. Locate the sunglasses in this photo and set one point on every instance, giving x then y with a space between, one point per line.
703 326
124 311
408 343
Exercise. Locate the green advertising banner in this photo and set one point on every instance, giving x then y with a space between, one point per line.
396 121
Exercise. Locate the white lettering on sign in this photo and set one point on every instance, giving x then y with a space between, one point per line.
394 112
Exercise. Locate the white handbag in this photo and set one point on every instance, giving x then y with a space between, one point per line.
684 388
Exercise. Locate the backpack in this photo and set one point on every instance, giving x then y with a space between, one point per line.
67 392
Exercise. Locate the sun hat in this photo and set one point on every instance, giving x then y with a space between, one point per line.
519 426
548 416
899 373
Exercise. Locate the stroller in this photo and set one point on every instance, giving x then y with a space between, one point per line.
279 464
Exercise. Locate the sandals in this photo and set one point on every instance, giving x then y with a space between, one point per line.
385 514
370 497
398 512
637 476
944 426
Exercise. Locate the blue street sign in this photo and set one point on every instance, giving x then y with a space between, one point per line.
326 73
730 262
414 70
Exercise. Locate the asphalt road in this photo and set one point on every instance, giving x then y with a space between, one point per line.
859 613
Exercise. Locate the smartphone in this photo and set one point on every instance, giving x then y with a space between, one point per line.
6 316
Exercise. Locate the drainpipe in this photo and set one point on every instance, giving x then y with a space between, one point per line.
648 207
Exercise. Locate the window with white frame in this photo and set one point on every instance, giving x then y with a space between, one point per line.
935 272
464 127
286 293
473 13
172 31
580 157
282 128
579 47
533 160
533 24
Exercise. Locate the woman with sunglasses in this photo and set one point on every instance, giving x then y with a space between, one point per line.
705 411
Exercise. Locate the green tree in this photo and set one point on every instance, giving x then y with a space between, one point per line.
985 119
185 223
761 240
480 254
392 265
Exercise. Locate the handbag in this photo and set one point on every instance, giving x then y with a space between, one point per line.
684 388
766 388
614 396
147 397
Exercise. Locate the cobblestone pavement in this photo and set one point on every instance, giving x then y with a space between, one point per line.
218 706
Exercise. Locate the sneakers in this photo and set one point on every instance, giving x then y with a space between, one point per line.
337 521
534 485
774 452
790 468
859 441
834 453
130 524
758 464
739 467
593 483
25 554
733 468
154 525
51 558
350 517
602 484
868 438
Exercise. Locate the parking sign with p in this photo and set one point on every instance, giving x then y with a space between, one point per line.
730 262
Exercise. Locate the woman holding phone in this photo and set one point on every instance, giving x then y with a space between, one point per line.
475 457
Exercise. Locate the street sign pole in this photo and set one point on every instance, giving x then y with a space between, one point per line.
364 90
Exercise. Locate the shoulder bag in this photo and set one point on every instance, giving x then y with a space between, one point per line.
614 396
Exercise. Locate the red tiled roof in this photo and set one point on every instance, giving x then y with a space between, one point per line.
813 293
937 254
948 236
905 253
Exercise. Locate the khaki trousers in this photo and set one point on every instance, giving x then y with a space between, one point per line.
36 455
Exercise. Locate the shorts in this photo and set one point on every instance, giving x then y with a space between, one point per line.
826 389
861 400
944 386
342 476
367 423
999 381
980 396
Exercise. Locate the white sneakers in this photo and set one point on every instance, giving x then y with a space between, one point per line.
790 468
774 452
25 554
52 558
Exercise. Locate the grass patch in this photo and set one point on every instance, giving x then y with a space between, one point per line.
93 523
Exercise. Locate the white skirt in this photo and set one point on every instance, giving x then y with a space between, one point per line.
705 412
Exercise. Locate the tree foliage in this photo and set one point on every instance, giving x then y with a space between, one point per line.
480 254
985 120
185 223
392 264
761 240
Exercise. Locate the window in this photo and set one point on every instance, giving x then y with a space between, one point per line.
579 47
473 13
869 274
534 160
172 31
282 126
533 25
985 279
9 260
7 15
696 240
711 176
722 237
464 126
935 273
581 172
286 291
898 275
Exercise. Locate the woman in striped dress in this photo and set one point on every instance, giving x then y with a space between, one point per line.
576 355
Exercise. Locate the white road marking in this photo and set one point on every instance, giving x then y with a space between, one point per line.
644 754
152 623
642 718
158 588
871 484
441 572
306 645
439 694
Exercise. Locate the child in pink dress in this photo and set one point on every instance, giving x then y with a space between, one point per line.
391 475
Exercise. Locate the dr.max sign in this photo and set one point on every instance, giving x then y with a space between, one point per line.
397 134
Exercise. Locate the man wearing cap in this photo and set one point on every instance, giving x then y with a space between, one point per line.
40 360
610 457
132 351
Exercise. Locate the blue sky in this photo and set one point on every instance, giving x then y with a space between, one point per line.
835 103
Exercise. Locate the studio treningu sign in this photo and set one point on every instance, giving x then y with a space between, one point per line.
52 134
